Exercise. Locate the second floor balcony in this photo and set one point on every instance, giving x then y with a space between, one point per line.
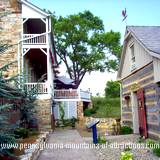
60 94
35 31
32 39
71 94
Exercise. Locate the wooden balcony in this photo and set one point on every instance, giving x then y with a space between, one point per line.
71 94
33 39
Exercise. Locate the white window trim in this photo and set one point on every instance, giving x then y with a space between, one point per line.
133 63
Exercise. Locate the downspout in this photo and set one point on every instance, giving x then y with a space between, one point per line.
121 99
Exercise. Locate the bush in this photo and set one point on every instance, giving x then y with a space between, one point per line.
140 140
106 107
128 148
126 130
126 156
89 111
67 122
150 143
156 151
101 140
21 133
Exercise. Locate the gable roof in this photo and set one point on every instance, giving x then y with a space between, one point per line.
26 2
147 36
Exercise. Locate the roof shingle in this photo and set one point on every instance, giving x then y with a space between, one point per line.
148 35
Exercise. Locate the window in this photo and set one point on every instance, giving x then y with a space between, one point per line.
133 64
132 54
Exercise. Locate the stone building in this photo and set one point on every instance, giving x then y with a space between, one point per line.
139 73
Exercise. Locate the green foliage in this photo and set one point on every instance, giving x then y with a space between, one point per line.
21 133
67 122
89 111
106 107
150 143
6 139
127 149
141 140
155 146
156 151
62 114
73 122
83 45
126 156
101 140
112 89
126 130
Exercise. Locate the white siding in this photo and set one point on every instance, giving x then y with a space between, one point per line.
28 12
70 109
142 58
56 111
156 66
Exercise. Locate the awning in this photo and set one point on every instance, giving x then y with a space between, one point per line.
65 80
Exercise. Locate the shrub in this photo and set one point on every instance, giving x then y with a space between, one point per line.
21 133
140 140
150 143
127 149
89 111
106 107
156 151
101 140
126 130
126 156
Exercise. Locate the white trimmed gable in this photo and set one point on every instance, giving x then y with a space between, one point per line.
142 58
31 11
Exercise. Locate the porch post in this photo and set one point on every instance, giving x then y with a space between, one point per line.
48 72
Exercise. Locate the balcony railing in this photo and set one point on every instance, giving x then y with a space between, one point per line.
40 88
34 38
67 94
71 94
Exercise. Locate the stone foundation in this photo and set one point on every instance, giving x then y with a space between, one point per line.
43 111
80 113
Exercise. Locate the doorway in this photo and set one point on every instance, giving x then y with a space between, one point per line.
142 113
135 112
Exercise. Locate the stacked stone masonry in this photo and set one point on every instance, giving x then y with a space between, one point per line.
43 110
10 31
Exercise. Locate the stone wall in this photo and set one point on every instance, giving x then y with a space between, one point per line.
144 78
10 31
43 111
80 113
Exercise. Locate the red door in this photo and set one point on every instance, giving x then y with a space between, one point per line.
142 113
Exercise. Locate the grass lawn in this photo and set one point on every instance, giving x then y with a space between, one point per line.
106 107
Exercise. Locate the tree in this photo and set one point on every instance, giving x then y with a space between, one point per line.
112 89
83 45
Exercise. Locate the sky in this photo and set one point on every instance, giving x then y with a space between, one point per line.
140 12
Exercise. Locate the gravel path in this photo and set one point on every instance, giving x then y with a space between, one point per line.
110 153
